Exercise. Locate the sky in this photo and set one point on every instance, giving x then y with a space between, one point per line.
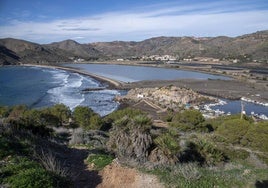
46 21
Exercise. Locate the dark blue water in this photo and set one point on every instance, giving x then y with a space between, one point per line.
42 87
127 73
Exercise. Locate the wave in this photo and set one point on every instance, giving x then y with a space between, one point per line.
67 89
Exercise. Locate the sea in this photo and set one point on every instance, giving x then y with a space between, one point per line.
43 87
39 87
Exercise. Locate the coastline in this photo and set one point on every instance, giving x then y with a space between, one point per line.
227 89
112 84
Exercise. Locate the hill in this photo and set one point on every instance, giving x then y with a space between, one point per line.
245 48
28 52
252 46
85 51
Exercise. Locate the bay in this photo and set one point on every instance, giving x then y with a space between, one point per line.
42 87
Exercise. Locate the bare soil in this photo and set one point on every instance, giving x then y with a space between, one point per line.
116 175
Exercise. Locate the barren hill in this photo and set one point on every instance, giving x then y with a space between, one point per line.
29 52
85 51
253 46
246 48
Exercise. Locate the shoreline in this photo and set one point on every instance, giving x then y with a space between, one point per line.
227 89
112 84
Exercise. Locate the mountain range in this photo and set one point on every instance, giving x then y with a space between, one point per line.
252 46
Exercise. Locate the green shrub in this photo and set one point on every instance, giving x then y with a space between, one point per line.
21 172
16 113
85 117
130 137
32 177
168 143
100 160
187 120
118 114
234 130
82 115
61 112
257 136
217 122
10 146
235 155
4 111
95 122
209 152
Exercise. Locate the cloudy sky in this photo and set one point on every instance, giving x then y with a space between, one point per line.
46 21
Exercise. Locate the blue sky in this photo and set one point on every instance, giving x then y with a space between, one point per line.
129 20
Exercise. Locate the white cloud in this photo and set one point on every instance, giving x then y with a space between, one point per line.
198 20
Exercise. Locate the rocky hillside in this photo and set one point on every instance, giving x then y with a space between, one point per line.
85 51
7 56
246 48
28 52
252 46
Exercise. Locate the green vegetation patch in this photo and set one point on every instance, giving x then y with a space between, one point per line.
190 175
20 172
99 161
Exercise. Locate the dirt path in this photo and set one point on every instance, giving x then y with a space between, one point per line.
118 176
112 176
81 176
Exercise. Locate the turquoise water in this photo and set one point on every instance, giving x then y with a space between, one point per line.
126 73
42 87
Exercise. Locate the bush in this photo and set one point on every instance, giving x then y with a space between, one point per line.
20 172
86 118
118 114
61 112
234 130
256 136
236 155
95 122
209 152
169 144
10 146
187 120
35 121
16 113
130 137
4 111
217 122
32 177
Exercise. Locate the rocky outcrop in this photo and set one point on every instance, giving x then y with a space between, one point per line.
166 97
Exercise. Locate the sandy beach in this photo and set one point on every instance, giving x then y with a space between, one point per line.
113 84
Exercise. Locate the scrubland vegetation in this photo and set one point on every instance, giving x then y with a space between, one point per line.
191 152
